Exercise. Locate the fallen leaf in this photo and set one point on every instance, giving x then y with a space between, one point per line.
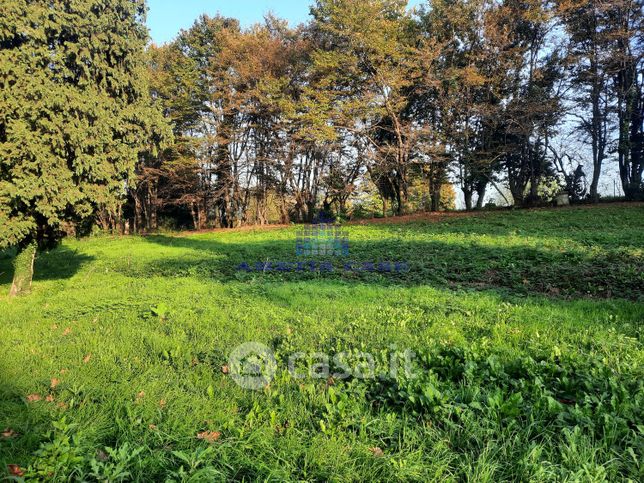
9 433
64 371
62 405
87 358
67 331
54 382
210 436
15 470
162 403
224 369
377 452
280 428
54 327
33 397
153 427
49 398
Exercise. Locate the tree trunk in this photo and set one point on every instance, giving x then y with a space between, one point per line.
138 213
435 198
193 214
284 218
23 269
399 202
467 194
481 188
597 138
594 192
516 189
152 200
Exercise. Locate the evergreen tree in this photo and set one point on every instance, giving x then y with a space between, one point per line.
75 116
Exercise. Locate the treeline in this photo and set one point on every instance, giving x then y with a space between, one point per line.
367 107
371 100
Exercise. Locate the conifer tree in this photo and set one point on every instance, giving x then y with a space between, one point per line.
75 115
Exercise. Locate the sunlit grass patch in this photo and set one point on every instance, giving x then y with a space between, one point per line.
529 352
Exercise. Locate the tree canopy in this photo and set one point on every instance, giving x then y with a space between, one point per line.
75 113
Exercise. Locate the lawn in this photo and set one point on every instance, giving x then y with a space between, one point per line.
526 330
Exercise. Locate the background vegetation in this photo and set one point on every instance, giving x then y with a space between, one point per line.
526 324
367 108
518 99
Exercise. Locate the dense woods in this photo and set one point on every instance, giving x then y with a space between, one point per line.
372 107
369 108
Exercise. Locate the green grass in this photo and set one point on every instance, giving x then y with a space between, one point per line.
527 328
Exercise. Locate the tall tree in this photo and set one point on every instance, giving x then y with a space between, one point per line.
371 63
626 65
531 96
75 116
588 29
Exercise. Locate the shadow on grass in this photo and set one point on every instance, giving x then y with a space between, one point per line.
20 423
514 270
57 264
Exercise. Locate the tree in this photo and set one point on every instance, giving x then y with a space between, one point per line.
75 116
531 100
626 65
371 67
177 90
588 51
463 98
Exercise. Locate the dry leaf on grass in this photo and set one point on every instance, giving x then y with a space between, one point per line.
15 470
210 436
9 433
102 455
33 397
377 452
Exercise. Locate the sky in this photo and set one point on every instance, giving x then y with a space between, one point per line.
167 17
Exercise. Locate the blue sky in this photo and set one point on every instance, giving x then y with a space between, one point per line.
167 17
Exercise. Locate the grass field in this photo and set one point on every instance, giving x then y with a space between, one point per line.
526 328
